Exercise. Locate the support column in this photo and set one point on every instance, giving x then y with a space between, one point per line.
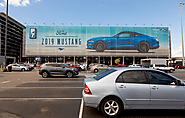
56 59
123 60
74 59
133 60
99 60
111 60
64 60
86 59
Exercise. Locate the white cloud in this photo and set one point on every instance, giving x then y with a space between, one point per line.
18 3
1 5
25 2
177 52
37 0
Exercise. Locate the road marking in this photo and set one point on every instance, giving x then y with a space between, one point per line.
81 109
41 87
49 81
27 99
5 82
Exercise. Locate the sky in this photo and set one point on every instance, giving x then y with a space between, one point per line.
103 12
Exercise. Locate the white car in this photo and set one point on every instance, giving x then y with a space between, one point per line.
162 67
19 67
133 88
135 65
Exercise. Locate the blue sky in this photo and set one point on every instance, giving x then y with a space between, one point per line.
112 12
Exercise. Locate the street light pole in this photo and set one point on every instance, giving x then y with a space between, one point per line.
4 63
182 36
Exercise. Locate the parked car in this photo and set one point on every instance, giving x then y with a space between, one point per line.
98 67
20 67
133 88
162 67
135 65
92 64
74 66
124 41
49 69
122 65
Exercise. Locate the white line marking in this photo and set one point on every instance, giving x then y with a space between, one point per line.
26 99
81 109
5 82
40 87
49 81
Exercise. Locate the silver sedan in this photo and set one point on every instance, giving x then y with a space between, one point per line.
133 88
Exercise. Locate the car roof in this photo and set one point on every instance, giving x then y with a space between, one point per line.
130 68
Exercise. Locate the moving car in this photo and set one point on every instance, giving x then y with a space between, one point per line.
98 67
133 88
18 67
124 41
49 69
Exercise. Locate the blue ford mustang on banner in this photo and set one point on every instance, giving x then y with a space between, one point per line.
124 41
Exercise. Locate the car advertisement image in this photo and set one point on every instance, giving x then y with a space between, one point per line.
96 40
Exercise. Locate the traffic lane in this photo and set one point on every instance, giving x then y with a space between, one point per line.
43 108
89 112
44 92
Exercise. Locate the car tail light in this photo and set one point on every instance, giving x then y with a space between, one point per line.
87 90
85 77
40 67
153 67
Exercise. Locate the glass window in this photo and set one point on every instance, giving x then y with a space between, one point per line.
100 65
160 78
124 35
132 77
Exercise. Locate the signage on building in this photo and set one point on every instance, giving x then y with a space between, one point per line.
97 41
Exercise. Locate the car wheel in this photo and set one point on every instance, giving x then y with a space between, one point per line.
22 69
99 46
171 71
95 70
69 74
111 107
45 74
143 47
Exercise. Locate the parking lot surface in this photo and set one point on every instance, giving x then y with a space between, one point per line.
28 95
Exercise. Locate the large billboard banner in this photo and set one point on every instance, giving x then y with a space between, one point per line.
96 41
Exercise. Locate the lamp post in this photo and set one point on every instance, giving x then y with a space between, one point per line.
182 36
4 63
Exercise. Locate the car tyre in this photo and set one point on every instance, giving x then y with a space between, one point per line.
143 47
100 46
23 69
111 107
171 71
69 74
45 74
95 70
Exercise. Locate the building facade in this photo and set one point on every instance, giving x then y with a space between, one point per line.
95 44
14 39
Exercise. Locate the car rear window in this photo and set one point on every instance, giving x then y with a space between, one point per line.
105 73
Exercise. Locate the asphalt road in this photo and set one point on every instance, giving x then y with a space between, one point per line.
28 95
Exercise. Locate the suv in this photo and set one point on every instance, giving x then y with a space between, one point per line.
49 69
162 68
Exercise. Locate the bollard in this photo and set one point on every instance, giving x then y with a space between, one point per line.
1 68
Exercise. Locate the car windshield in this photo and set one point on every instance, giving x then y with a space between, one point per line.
105 73
65 65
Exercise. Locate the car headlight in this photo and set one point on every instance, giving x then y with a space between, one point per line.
90 41
156 39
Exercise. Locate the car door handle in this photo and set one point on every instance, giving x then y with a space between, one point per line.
155 88
122 86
